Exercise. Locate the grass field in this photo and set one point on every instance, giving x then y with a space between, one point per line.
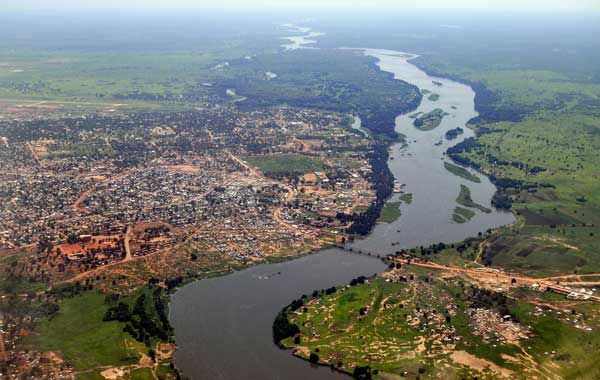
559 229
83 339
294 164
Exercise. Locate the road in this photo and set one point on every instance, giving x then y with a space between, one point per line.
126 240
290 191
76 205
543 283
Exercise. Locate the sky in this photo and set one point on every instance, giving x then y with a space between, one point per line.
261 5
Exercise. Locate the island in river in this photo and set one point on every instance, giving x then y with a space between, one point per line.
430 120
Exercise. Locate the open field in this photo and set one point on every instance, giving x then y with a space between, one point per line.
94 346
80 336
278 164
538 137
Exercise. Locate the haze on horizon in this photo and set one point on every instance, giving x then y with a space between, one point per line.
259 5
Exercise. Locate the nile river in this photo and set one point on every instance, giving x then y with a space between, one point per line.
223 325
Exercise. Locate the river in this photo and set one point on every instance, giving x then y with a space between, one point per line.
223 325
419 166
303 41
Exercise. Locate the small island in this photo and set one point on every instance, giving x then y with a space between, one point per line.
462 215
464 199
390 212
454 133
461 172
430 120
434 97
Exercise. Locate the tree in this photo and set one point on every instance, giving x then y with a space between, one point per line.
362 373
313 358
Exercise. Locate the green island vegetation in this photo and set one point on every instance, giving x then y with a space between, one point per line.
434 97
390 212
429 120
464 199
415 115
461 172
429 327
406 198
286 164
462 215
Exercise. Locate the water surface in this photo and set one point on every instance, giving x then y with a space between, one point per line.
223 325
418 165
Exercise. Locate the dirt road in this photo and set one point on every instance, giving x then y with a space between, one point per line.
543 283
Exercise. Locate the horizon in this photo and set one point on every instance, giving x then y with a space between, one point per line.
509 6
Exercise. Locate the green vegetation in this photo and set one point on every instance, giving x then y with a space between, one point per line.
84 340
406 198
342 81
464 199
92 331
461 172
462 215
288 164
429 120
545 165
390 212
137 66
434 97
